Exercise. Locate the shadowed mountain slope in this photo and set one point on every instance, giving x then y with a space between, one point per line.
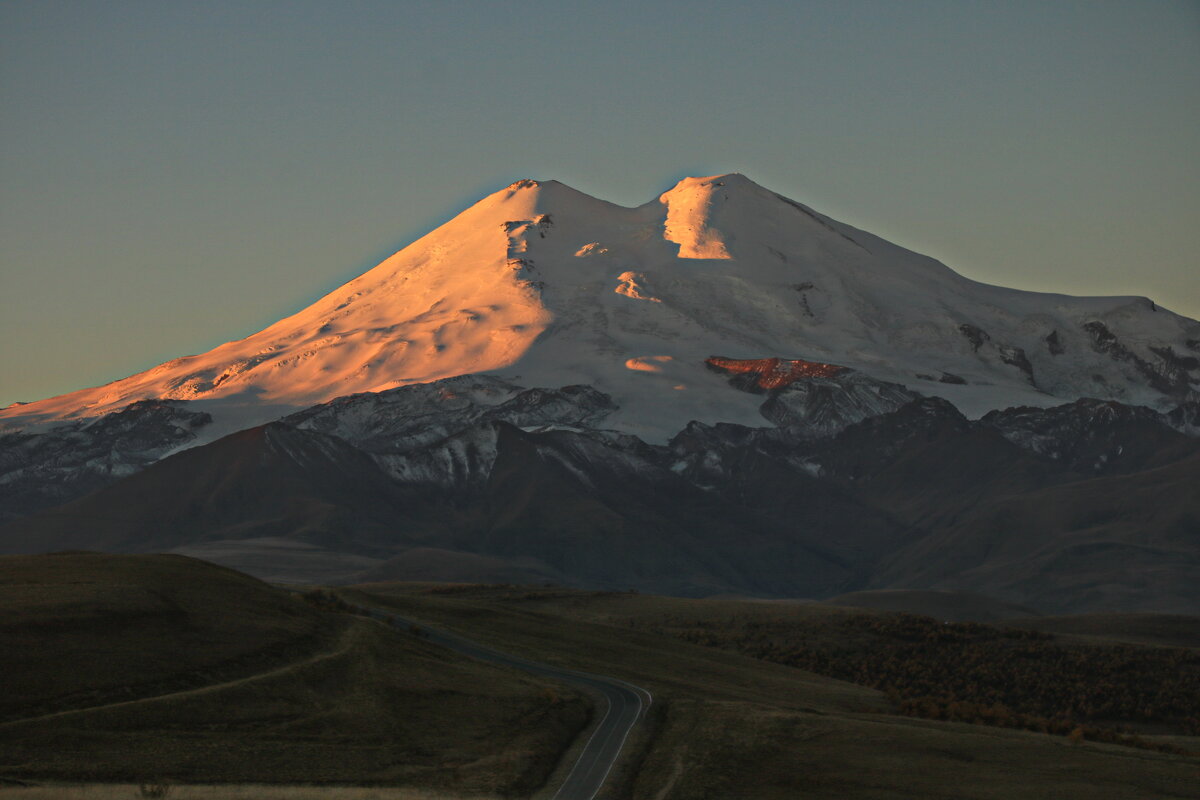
266 481
917 498
1114 543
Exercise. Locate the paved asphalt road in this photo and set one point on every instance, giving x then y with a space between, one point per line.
625 705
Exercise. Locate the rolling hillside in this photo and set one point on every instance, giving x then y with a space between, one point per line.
128 668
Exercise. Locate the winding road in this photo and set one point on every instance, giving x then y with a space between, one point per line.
626 704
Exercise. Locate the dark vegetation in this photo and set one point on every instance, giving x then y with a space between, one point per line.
327 600
984 674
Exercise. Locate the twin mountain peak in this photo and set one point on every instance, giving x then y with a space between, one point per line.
540 285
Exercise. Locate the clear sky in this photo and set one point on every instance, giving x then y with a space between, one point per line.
177 174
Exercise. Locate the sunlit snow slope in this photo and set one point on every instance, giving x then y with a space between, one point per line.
545 286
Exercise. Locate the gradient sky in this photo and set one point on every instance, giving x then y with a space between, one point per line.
177 174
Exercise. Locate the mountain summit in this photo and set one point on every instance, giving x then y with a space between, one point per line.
542 285
719 391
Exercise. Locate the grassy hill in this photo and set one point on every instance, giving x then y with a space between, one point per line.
944 605
1163 630
129 668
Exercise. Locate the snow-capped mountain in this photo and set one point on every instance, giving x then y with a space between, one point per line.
541 285
718 391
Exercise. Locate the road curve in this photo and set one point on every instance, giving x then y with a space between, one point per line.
625 704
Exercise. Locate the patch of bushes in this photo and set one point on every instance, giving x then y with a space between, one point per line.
330 601
983 674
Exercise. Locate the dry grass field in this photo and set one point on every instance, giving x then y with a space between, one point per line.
127 669
729 726
121 791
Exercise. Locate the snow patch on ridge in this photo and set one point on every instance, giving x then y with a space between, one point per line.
689 214
632 284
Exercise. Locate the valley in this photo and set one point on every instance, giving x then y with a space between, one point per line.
325 696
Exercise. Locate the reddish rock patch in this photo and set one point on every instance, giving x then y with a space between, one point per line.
774 373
